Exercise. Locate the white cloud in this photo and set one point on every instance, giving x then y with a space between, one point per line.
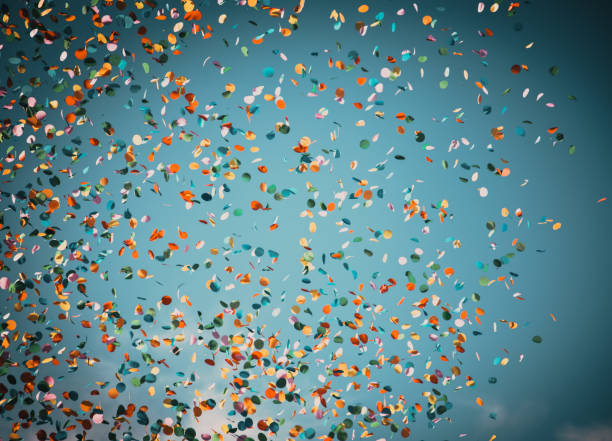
595 432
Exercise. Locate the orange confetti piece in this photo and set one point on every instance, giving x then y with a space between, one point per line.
80 54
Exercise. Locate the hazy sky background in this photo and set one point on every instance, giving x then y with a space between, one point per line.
560 391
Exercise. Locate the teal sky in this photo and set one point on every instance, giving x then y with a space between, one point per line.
553 390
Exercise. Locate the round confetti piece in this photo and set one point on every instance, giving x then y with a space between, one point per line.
268 72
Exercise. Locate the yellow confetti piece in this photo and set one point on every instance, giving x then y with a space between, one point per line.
313 227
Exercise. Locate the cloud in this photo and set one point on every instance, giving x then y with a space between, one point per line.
594 432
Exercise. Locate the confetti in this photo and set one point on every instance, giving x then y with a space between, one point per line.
263 245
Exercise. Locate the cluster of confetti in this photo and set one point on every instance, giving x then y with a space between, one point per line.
219 225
